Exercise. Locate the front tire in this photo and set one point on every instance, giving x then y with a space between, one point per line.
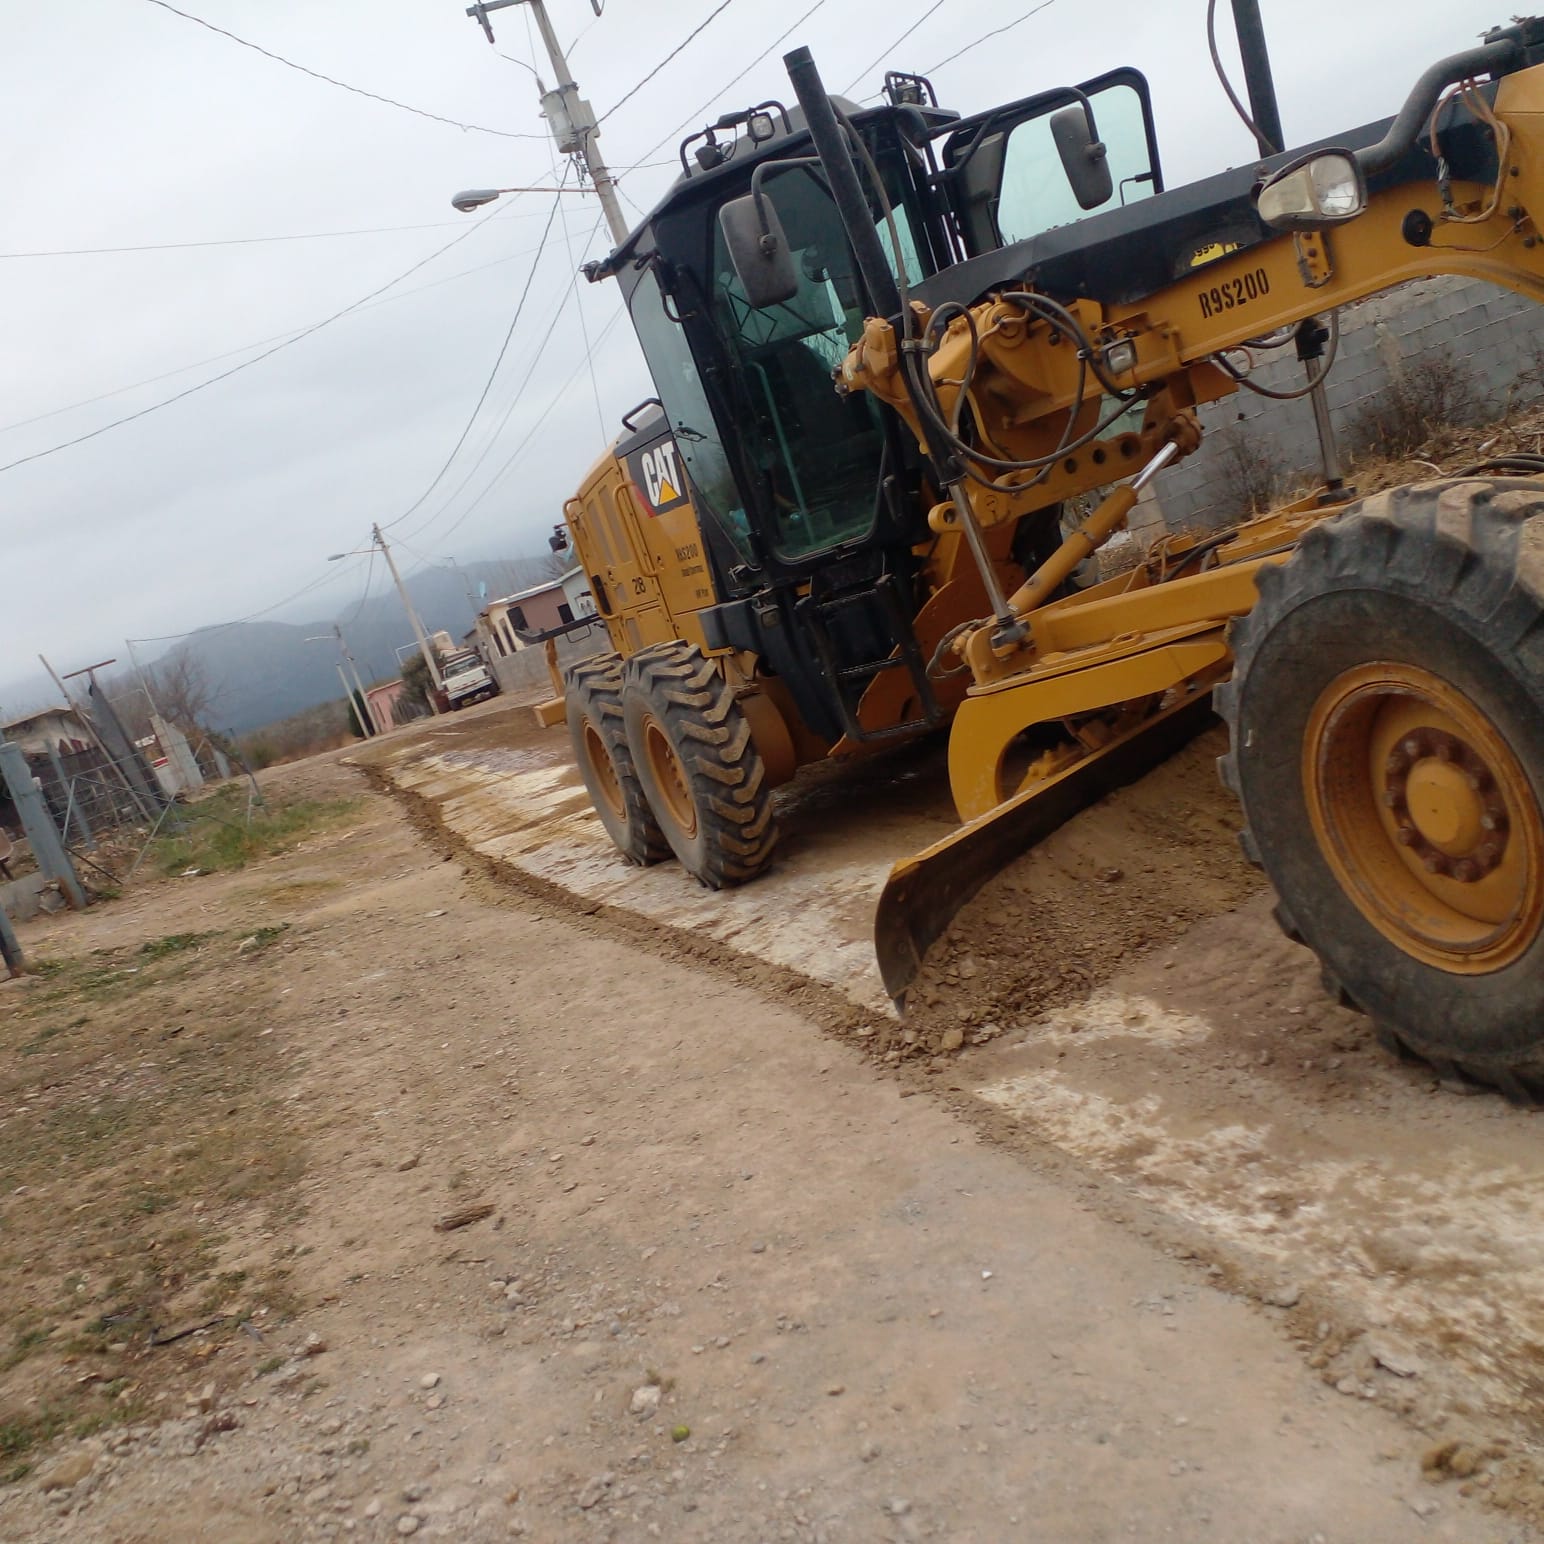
1386 714
593 688
698 764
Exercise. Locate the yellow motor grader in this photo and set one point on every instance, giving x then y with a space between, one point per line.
914 368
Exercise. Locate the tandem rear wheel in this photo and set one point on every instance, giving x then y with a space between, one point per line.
1386 714
593 688
698 764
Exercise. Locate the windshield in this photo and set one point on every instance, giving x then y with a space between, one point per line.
779 461
462 667
816 453
679 385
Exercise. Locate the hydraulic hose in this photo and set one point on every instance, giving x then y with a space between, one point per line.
1411 119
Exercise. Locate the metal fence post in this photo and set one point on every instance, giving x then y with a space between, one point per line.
47 847
10 948
75 808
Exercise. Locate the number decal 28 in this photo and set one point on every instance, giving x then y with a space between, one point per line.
1232 293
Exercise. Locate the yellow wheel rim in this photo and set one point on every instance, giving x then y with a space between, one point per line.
669 777
1426 818
605 771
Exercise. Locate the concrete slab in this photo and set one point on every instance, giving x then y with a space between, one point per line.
521 803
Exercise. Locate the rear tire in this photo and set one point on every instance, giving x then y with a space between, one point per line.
1386 714
593 688
698 764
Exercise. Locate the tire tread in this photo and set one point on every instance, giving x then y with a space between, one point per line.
1478 543
728 779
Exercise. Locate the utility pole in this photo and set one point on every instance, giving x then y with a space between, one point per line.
354 702
412 616
374 725
572 118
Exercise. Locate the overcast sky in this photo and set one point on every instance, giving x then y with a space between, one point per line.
131 126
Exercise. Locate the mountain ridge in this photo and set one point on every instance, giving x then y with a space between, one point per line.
260 672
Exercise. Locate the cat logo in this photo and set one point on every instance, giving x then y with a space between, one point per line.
657 472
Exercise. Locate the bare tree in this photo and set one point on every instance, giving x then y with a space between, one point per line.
183 691
179 689
1427 397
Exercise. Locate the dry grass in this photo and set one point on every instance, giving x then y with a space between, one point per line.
141 1129
222 832
1452 451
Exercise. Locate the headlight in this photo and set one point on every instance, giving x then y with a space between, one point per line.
1324 188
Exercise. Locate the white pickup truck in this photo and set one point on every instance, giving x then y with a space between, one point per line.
467 679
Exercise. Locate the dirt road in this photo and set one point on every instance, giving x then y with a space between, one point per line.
735 1284
1118 1001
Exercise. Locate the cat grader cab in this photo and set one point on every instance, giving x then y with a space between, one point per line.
914 368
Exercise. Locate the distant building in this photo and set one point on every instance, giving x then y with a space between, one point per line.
49 729
509 632
516 622
383 700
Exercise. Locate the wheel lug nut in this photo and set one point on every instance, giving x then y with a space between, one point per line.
1436 864
1405 836
1465 871
1411 747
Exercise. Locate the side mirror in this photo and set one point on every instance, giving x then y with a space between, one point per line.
558 541
759 251
1324 188
1083 155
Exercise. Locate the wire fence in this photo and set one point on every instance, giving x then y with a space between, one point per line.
111 811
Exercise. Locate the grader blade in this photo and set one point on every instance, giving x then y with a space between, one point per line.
924 892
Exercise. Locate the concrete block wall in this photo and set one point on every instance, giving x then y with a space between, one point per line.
527 667
1496 337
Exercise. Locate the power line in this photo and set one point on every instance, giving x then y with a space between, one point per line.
986 36
493 439
530 433
885 54
700 27
580 36
233 241
514 402
718 96
268 353
584 331
374 96
482 396
536 358
353 616
326 578
292 333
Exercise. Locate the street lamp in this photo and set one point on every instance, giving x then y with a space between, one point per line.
475 198
358 692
